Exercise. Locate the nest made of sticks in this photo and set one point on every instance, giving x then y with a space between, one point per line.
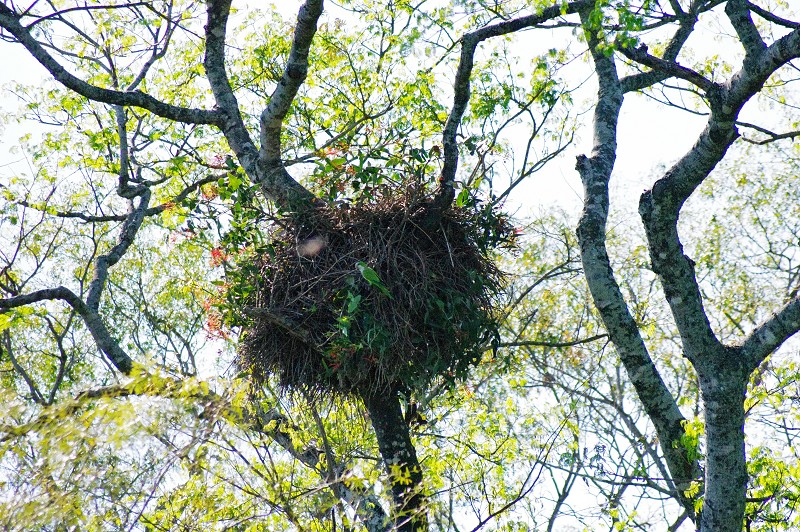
386 294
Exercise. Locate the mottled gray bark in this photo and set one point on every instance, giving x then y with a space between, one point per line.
723 371
400 459
595 172
264 166
723 381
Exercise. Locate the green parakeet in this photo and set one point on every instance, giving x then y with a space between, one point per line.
371 276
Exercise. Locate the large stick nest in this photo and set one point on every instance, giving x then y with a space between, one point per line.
322 322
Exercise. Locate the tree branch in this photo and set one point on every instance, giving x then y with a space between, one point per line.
660 206
771 17
770 334
461 85
150 211
595 173
36 395
275 179
773 137
642 80
85 8
10 22
539 343
738 13
130 227
214 61
665 67
102 337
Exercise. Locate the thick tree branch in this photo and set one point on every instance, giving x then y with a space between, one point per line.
770 334
130 227
666 68
643 80
722 371
275 179
738 12
595 172
757 69
293 77
232 123
771 17
687 21
660 206
10 21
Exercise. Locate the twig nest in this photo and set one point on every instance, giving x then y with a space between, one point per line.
389 294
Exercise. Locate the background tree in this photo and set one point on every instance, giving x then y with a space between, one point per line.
131 193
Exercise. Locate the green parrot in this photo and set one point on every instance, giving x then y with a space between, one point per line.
371 276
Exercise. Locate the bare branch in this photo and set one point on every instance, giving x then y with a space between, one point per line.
665 67
130 227
540 343
770 334
738 13
771 17
150 211
84 8
773 137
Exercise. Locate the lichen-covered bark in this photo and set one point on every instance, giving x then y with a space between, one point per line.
264 166
723 382
723 370
595 172
400 460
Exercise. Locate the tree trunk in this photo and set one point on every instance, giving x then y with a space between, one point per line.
723 392
400 459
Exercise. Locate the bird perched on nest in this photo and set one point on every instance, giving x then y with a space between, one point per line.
371 276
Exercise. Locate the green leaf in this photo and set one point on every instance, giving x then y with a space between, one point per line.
5 321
